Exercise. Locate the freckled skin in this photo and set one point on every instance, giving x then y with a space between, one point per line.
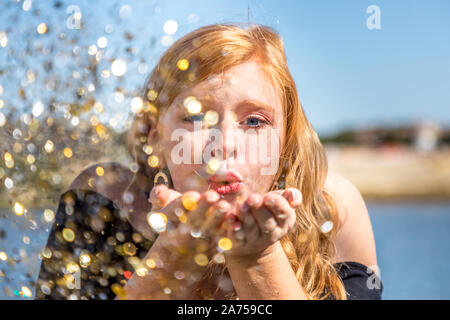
244 81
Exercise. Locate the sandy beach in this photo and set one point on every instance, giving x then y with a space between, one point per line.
395 172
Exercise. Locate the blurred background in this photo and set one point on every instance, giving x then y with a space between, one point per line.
373 79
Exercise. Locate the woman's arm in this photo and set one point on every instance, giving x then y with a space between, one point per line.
265 276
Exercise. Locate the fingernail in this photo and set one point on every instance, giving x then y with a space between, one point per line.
252 201
292 195
269 202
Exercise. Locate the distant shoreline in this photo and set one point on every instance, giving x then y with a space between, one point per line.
382 175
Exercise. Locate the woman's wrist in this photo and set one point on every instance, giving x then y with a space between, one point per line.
254 258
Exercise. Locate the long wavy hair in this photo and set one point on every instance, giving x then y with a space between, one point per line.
211 50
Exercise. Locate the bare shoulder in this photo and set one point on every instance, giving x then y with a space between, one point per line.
354 240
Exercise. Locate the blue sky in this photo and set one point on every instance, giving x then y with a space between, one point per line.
347 75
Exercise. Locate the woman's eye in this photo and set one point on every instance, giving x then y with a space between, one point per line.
255 122
194 117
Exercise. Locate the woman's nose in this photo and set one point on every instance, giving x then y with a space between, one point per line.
229 134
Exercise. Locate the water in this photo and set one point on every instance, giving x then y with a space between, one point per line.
412 239
413 249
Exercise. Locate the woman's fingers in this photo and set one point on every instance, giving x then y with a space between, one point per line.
293 196
214 217
197 205
263 217
161 196
281 209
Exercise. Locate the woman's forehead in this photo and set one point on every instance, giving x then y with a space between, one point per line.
244 82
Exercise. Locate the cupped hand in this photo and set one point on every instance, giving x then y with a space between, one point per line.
262 220
193 219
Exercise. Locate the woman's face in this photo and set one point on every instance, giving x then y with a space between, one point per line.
236 120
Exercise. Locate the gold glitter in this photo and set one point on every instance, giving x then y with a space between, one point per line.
47 253
26 292
153 161
219 258
152 95
183 218
136 104
118 290
49 146
189 203
26 240
42 28
31 159
92 50
213 165
101 131
68 152
150 107
85 260
91 182
211 117
129 249
2 119
17 148
3 256
19 209
3 39
2 104
38 108
225 244
72 267
201 259
141 271
170 27
98 107
99 171
68 234
183 64
105 74
49 215
119 67
8 156
102 42
192 105
150 263
157 221
9 164
147 149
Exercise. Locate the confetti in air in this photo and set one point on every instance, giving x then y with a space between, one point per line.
70 86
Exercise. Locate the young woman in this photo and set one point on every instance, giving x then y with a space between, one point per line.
217 228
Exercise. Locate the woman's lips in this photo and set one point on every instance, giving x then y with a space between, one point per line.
222 188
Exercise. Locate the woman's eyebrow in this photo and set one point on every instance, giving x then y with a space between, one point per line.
255 103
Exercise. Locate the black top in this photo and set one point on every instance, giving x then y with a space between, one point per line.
92 250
